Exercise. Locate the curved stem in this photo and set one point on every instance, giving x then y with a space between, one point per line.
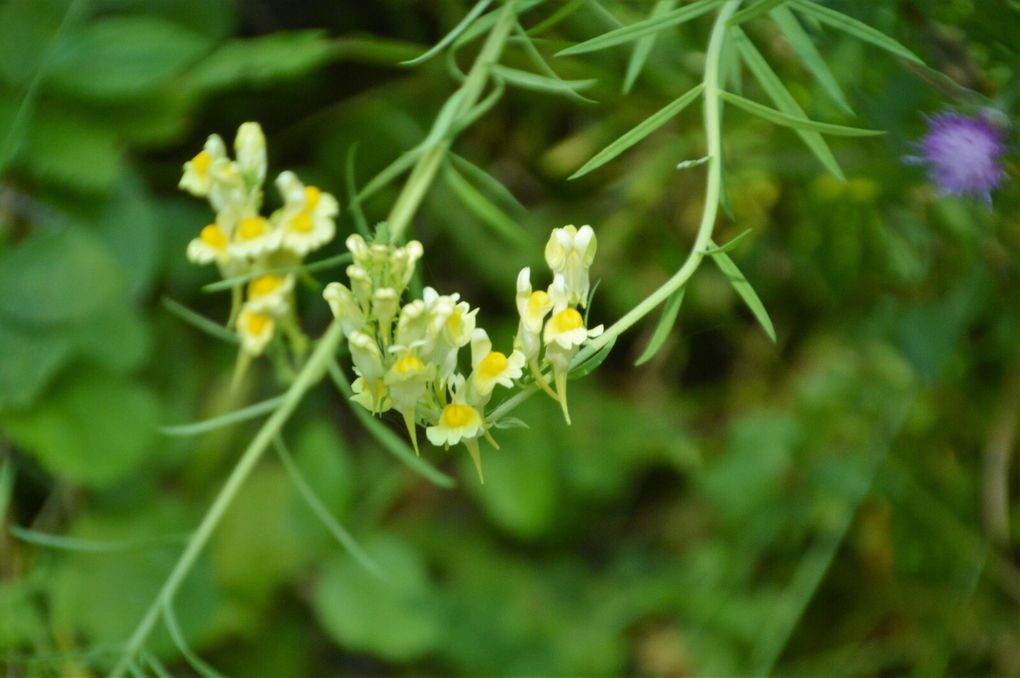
713 137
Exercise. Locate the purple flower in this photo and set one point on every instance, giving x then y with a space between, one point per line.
963 154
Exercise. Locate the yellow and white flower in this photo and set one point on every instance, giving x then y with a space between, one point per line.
270 294
254 236
197 177
565 328
532 307
212 244
570 252
307 219
255 330
369 388
459 422
489 367
345 307
407 381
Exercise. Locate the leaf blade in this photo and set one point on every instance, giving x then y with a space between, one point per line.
643 47
857 29
451 36
642 28
795 122
809 55
745 291
666 322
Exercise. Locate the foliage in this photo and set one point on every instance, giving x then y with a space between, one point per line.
831 492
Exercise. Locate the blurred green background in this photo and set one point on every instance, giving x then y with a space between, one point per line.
837 503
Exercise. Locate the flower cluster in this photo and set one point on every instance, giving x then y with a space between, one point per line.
406 356
245 244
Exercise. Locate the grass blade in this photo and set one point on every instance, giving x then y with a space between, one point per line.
744 289
639 132
809 55
643 47
201 667
753 12
200 322
784 101
55 541
540 83
322 513
795 122
483 208
642 28
857 29
451 36
235 417
730 246
665 326
387 438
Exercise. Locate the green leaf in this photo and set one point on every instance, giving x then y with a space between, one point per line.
228 419
386 437
197 663
57 277
398 619
639 132
796 122
489 183
857 29
539 83
812 60
642 28
539 61
452 35
590 364
92 428
62 148
665 326
210 327
122 56
744 289
471 198
263 60
730 246
773 86
63 543
753 12
643 47
28 361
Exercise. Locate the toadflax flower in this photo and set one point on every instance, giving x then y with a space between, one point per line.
963 154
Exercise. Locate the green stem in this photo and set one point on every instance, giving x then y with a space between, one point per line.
713 136
311 374
444 129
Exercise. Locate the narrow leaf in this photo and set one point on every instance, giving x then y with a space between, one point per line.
56 541
665 326
796 122
540 64
6 487
753 12
320 265
639 132
746 292
809 55
643 47
539 83
451 36
730 246
386 437
211 328
564 12
783 100
322 513
402 164
235 417
197 663
642 28
588 366
351 186
485 209
487 181
857 29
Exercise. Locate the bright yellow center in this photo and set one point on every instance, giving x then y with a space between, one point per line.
311 197
256 323
213 236
538 300
263 285
493 365
409 364
458 416
201 162
566 320
251 228
301 222
453 322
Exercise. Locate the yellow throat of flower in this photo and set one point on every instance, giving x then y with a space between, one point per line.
566 320
408 365
538 300
457 415
256 323
213 236
311 197
201 163
493 365
264 285
251 228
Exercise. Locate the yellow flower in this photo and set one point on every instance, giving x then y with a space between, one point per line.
532 307
197 176
570 252
459 423
492 367
256 330
368 363
565 327
345 308
270 294
212 244
250 149
253 237
307 217
408 381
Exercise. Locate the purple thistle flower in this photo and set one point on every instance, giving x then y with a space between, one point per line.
963 154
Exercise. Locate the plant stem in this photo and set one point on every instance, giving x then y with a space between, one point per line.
444 130
713 136
310 374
